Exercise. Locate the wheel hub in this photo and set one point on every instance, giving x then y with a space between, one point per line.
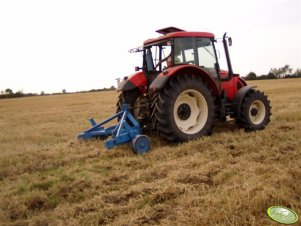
184 111
254 111
257 112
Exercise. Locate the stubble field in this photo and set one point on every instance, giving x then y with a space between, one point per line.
47 177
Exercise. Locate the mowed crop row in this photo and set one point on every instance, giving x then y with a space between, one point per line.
48 177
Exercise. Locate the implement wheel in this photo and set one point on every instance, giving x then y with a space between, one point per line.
141 144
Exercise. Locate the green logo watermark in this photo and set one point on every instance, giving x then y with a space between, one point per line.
282 215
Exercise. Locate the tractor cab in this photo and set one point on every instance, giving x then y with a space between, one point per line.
180 48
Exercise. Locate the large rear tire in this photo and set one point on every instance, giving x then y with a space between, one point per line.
255 111
138 104
185 109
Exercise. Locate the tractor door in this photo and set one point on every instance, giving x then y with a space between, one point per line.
155 58
199 52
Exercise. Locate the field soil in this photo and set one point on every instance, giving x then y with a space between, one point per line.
48 177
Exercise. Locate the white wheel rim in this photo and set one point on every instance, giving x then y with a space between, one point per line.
136 109
190 122
139 104
257 112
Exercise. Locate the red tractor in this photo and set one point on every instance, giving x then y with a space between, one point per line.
180 89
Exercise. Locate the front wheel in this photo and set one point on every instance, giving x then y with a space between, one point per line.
255 111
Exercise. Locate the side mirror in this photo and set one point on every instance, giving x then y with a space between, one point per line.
230 41
137 68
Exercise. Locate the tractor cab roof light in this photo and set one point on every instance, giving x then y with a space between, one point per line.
168 30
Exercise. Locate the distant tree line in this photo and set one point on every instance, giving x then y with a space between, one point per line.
97 90
276 73
8 93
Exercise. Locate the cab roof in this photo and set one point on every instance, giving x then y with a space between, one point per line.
173 32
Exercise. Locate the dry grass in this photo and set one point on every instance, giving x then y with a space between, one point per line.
47 177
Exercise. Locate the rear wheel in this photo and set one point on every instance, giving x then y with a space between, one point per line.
255 111
137 104
184 109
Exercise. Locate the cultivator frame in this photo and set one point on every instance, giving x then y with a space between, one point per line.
126 130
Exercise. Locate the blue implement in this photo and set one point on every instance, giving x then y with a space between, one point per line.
124 131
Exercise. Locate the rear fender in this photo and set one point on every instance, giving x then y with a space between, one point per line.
181 70
239 96
136 80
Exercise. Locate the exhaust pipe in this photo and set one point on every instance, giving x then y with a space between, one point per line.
230 71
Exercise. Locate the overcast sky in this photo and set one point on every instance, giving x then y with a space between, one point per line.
80 45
